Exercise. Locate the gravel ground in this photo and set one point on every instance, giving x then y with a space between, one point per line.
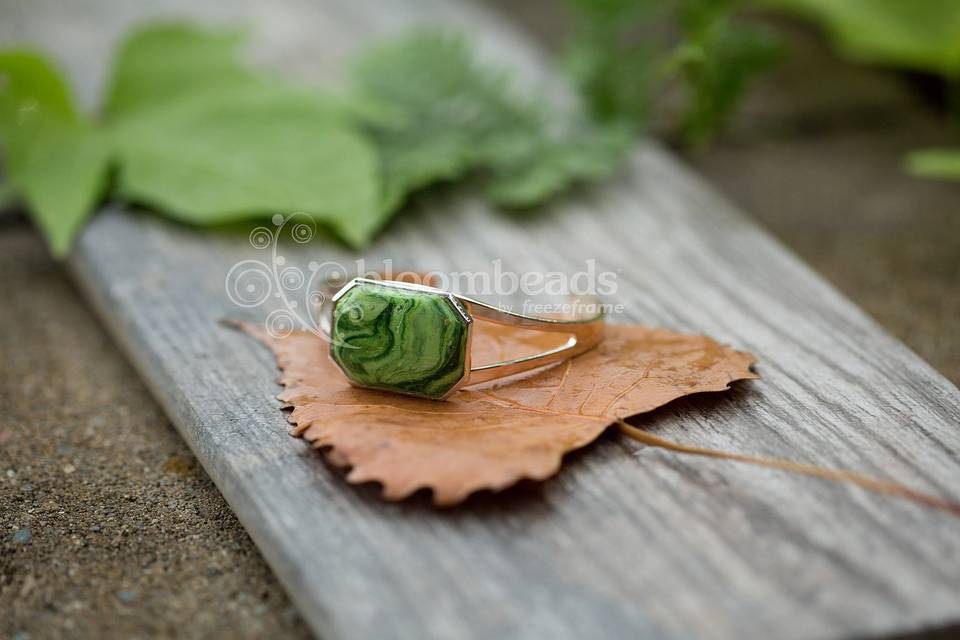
108 528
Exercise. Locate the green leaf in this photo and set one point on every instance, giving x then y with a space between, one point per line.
63 178
451 115
32 91
200 137
917 34
57 162
165 62
206 141
161 66
935 163
209 163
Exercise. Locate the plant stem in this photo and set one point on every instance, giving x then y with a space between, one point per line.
865 482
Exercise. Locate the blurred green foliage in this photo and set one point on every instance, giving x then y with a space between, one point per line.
198 136
621 60
935 163
55 159
195 134
915 34
623 53
449 115
717 57
208 141
614 64
922 35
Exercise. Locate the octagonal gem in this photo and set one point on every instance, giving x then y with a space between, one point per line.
399 339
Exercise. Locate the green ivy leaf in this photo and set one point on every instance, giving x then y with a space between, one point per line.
918 34
205 140
213 162
62 179
56 161
935 163
166 62
198 136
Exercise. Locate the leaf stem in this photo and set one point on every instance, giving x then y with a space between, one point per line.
835 475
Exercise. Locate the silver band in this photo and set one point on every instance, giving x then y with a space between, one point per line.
585 332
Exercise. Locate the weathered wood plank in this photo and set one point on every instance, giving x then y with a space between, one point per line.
626 542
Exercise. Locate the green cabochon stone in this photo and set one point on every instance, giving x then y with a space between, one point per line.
400 340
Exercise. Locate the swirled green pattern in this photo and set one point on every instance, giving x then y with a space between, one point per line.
399 340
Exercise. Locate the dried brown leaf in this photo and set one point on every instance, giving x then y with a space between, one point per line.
492 437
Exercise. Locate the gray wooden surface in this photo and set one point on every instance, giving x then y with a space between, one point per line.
626 542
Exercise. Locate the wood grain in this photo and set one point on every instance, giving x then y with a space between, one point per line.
626 542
